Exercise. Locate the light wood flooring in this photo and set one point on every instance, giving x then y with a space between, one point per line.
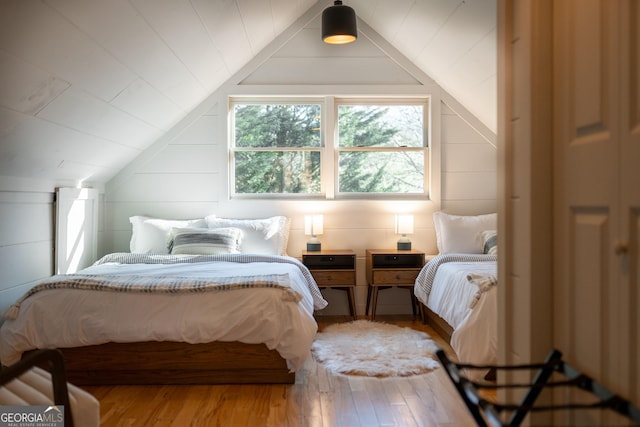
318 398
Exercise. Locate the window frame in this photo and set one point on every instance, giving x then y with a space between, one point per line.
383 101
273 100
329 147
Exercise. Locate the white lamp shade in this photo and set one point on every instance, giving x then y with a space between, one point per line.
313 225
404 224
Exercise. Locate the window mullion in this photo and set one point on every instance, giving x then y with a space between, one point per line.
330 152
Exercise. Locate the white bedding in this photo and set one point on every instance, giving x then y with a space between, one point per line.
72 317
451 292
475 330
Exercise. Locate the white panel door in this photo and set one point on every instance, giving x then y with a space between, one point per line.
596 192
630 186
76 229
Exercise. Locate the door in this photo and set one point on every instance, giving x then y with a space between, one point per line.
596 188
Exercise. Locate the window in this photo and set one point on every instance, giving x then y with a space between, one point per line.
276 148
284 148
381 147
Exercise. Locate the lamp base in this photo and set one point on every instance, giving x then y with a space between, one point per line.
404 246
314 247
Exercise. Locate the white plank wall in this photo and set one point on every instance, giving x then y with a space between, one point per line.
26 242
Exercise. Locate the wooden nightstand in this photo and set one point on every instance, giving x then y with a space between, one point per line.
334 269
387 268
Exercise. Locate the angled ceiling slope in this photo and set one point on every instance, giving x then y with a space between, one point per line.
87 85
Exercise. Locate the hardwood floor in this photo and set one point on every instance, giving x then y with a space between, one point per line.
318 398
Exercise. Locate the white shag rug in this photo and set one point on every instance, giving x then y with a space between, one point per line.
374 349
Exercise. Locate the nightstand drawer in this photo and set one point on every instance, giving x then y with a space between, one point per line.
397 260
334 278
402 277
328 262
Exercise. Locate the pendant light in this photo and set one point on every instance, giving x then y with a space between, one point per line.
339 24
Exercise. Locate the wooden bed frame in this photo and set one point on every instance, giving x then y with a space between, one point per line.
436 322
166 362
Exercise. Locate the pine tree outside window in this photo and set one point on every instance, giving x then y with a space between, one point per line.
376 148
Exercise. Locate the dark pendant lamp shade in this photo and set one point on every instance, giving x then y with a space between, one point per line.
339 24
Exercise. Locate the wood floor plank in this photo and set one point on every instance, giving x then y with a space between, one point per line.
346 406
381 404
317 399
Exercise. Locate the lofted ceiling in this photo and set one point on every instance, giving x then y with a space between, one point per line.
87 85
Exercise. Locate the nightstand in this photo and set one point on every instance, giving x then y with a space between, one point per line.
387 268
335 269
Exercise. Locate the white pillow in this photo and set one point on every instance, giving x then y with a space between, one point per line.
205 241
462 234
150 235
259 236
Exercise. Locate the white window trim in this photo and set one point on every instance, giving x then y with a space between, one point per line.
329 155
385 100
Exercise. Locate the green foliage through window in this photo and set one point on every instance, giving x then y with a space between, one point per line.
375 149
278 147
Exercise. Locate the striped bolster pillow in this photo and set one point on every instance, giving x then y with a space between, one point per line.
204 241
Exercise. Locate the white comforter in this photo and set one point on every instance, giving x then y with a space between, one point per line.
450 294
73 317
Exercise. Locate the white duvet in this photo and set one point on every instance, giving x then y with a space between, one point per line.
71 317
475 329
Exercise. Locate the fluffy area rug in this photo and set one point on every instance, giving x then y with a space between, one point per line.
374 349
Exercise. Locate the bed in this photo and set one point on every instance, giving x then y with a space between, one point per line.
209 309
457 289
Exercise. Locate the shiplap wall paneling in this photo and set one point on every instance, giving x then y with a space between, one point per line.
161 68
180 180
88 114
51 42
469 167
26 242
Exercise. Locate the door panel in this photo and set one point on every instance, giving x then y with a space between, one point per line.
587 299
630 183
588 290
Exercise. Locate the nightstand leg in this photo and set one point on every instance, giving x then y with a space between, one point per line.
352 302
374 303
366 310
414 302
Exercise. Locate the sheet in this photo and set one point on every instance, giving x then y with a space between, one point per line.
77 317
